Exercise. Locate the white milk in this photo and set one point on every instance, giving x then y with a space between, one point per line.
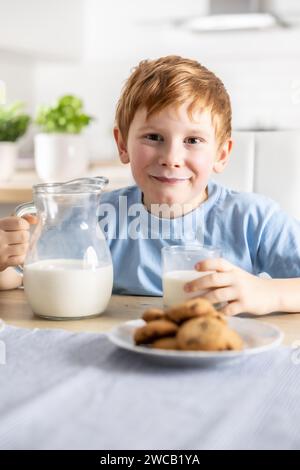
173 283
65 288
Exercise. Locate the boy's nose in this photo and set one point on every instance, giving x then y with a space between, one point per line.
171 157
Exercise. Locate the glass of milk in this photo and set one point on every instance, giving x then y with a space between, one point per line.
178 268
67 273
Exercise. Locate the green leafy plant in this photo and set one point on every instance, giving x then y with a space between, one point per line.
66 116
13 122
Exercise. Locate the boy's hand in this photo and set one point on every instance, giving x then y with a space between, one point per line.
14 239
244 292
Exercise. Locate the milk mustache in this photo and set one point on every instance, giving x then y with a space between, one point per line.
66 288
173 286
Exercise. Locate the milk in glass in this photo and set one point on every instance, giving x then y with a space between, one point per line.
173 286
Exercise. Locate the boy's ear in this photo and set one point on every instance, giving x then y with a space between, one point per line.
223 156
121 144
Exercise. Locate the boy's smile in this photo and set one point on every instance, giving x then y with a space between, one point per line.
172 156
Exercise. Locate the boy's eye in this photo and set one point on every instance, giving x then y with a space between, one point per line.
155 137
193 140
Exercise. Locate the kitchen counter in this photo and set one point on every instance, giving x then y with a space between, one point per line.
19 188
14 310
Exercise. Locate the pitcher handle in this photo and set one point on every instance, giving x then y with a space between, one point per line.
23 209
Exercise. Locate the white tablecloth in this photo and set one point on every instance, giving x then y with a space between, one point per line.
63 390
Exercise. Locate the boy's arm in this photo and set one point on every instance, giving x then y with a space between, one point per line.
288 294
10 279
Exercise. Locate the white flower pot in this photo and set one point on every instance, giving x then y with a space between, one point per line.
8 158
60 157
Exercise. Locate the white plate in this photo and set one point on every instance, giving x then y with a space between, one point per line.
258 337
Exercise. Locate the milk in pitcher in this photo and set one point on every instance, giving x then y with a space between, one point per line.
66 288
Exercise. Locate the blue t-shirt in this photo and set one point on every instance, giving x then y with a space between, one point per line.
252 231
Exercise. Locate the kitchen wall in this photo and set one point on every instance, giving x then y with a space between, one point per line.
96 44
32 31
42 28
17 72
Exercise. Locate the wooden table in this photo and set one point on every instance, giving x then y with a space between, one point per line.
14 310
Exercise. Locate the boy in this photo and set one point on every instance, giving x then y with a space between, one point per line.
173 126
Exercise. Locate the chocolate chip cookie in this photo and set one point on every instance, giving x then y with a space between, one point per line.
165 343
207 333
191 309
154 330
153 314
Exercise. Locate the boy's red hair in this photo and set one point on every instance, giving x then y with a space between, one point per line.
173 80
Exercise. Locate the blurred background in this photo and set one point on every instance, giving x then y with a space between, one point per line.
49 48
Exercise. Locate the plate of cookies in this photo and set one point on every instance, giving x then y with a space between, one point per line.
195 331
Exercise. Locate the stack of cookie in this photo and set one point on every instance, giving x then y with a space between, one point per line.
192 326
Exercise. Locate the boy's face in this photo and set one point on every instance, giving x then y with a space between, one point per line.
172 156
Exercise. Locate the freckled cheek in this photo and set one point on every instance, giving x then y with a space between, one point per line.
201 167
140 158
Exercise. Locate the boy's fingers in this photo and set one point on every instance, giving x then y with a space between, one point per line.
225 294
31 218
19 236
209 281
17 250
233 308
15 260
214 264
14 223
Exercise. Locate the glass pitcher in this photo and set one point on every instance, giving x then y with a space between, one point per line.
68 272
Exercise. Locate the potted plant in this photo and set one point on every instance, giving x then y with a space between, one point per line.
60 149
13 124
